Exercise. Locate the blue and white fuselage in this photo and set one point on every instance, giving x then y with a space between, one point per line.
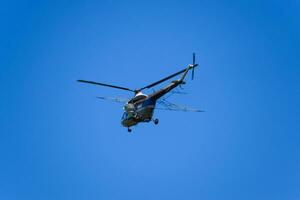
139 109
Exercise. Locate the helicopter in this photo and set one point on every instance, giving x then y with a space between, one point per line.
141 107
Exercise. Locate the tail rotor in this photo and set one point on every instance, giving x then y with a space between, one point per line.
194 65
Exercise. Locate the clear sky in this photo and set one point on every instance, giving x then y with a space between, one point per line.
59 142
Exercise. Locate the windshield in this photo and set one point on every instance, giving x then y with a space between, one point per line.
125 115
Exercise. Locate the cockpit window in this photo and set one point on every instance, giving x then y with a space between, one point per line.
125 114
139 106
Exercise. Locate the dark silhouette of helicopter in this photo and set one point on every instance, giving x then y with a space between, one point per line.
141 107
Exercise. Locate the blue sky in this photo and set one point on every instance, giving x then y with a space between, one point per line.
59 142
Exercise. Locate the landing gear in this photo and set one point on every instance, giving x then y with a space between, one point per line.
156 121
129 130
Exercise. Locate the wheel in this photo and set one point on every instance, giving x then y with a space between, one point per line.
156 121
129 130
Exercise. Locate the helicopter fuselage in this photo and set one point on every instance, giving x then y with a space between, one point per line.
141 107
143 112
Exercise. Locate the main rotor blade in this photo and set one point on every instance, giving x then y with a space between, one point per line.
114 99
166 105
165 79
183 109
162 80
106 85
